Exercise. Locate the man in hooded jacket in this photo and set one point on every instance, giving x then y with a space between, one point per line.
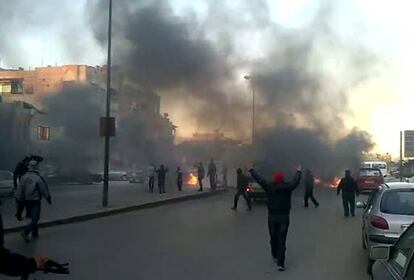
279 195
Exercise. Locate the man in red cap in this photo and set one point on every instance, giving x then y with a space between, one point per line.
279 195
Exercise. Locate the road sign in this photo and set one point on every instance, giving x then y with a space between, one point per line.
409 143
107 126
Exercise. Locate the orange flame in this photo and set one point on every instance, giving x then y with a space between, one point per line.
328 184
192 179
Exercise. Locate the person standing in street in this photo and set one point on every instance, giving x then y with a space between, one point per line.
349 188
200 175
30 191
279 195
151 179
212 174
242 184
179 178
162 174
224 172
309 182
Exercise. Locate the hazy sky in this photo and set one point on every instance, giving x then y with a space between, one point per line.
382 105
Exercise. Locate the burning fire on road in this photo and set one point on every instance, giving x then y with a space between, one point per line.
192 179
333 184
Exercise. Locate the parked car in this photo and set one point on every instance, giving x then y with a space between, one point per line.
74 177
369 179
6 182
137 177
254 191
118 176
388 212
395 262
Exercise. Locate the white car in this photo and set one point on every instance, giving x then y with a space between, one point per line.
6 182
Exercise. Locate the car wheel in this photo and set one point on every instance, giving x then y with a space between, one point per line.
124 178
369 267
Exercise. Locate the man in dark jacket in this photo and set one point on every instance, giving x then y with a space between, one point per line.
212 174
200 175
179 178
242 183
162 173
349 188
309 181
279 195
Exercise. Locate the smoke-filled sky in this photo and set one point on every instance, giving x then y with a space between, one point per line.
332 65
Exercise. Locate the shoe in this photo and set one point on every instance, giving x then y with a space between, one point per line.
316 205
26 237
305 206
353 215
233 208
281 267
249 209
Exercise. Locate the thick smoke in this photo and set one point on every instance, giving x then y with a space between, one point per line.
76 146
73 115
301 78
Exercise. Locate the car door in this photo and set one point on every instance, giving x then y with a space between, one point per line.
371 200
399 266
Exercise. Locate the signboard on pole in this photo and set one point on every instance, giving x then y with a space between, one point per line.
107 126
409 143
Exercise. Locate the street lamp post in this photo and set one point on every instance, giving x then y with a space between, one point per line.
247 77
108 112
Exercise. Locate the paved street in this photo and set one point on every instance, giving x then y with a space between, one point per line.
204 239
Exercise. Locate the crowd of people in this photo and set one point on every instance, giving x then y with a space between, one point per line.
159 175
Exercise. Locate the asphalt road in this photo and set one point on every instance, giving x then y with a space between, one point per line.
204 239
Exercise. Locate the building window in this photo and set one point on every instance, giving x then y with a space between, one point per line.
43 132
11 87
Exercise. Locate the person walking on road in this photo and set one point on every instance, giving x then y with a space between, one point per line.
309 182
279 195
212 174
30 191
242 184
179 178
200 175
162 173
151 179
349 188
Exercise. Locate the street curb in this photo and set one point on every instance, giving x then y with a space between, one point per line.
118 210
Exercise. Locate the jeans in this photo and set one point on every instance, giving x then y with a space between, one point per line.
213 181
161 185
278 230
348 200
243 194
151 181
309 194
200 182
33 213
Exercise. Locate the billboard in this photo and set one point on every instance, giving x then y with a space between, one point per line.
409 143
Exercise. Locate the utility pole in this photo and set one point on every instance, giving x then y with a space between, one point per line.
401 154
108 112
248 77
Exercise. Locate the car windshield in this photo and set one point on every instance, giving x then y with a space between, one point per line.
399 202
379 165
369 173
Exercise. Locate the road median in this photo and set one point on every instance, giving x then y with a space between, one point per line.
104 212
